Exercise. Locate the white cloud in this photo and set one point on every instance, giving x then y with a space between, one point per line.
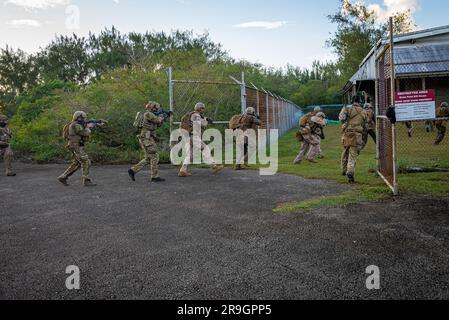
391 7
37 4
24 23
269 25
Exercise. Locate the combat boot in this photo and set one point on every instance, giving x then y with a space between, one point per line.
158 179
216 169
88 183
184 174
132 174
351 178
63 180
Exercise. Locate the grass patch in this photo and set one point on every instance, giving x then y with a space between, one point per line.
364 194
369 186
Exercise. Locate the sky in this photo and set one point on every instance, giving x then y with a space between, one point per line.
272 32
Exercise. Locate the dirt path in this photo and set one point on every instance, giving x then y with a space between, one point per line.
146 241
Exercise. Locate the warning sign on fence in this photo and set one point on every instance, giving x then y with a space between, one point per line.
415 105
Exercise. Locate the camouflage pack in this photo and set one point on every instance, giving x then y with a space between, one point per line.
186 122
139 121
235 122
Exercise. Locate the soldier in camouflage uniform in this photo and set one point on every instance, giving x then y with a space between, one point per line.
442 112
248 121
354 121
197 118
5 148
312 133
148 143
78 133
371 123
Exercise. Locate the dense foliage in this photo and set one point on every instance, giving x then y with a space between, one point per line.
111 75
358 31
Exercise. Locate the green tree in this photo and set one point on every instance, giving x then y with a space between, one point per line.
358 31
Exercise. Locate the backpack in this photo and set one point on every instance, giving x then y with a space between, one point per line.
186 122
139 120
235 122
65 131
299 136
305 119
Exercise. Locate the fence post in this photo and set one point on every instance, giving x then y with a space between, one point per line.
279 116
289 116
268 116
393 103
282 115
171 95
285 115
243 93
275 121
292 112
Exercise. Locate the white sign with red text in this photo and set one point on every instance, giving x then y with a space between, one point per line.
415 105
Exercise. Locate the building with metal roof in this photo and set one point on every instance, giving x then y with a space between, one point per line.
422 57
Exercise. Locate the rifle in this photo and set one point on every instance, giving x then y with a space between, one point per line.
209 120
96 123
164 114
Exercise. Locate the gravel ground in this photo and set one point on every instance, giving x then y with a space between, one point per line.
212 237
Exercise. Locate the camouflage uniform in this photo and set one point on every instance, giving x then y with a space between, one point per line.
78 136
312 133
148 143
442 112
249 121
371 124
5 149
195 142
354 119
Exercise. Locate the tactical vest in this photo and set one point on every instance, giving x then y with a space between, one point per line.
73 137
148 125
5 134
247 121
356 120
304 121
234 123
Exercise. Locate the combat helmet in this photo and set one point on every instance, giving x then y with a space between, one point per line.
251 110
200 107
79 114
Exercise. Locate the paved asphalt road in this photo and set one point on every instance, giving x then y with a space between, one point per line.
212 237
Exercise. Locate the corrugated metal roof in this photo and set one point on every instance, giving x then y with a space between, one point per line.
367 71
428 59
425 59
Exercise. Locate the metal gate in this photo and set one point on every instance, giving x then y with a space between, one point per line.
385 98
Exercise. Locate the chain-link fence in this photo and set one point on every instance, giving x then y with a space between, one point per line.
413 82
386 130
225 99
422 144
